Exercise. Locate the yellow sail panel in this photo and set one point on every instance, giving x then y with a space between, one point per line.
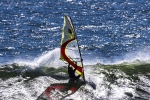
69 50
67 31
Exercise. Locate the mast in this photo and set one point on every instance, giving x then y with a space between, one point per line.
79 51
80 58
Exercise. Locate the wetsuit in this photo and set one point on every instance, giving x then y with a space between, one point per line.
72 75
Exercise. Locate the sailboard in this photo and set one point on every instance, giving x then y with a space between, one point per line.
59 91
69 53
69 49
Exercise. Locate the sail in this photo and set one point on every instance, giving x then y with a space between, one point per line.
69 50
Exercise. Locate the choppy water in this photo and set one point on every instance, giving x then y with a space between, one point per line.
113 33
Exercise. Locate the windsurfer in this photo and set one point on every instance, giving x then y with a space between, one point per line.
72 76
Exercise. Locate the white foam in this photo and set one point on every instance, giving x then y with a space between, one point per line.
142 55
50 29
47 59
50 59
23 90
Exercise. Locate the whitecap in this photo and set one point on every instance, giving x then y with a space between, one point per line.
10 48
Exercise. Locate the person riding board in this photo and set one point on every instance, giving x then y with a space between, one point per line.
71 72
73 78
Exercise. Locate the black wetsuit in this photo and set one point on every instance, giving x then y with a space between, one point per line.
72 75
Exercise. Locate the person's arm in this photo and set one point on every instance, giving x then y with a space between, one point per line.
77 77
75 68
68 64
68 67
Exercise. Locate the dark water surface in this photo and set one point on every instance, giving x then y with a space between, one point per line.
106 29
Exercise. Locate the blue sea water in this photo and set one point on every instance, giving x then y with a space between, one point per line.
108 31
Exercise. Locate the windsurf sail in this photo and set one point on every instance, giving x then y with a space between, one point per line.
69 50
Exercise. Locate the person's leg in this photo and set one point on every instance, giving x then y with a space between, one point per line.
71 80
